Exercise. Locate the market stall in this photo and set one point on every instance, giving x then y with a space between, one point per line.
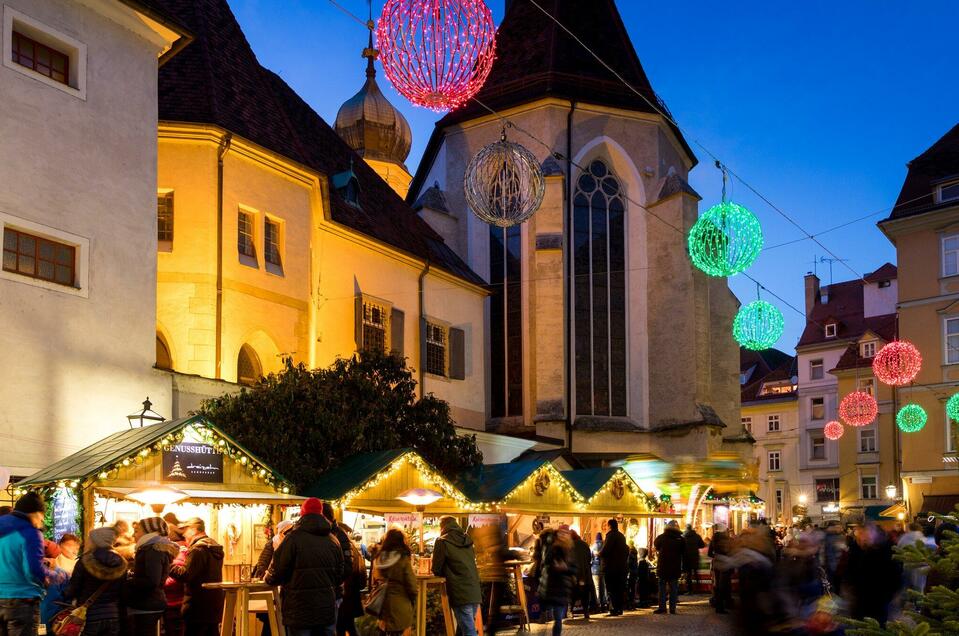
188 467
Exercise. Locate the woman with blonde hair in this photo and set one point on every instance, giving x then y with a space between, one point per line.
393 567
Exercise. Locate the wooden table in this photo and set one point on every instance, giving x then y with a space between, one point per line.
423 583
515 569
236 606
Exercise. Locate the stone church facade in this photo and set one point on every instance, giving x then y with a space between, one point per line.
601 334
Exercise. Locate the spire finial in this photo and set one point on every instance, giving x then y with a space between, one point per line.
369 52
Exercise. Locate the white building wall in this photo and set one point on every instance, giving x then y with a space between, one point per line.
880 301
826 388
80 168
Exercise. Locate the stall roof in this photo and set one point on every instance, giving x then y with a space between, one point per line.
493 482
356 470
220 496
116 447
876 512
588 481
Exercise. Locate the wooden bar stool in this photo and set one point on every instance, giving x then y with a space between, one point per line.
514 570
423 583
236 606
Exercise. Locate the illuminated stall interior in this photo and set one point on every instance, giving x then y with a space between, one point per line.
189 461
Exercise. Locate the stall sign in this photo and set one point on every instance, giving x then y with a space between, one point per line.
65 509
486 520
401 519
193 462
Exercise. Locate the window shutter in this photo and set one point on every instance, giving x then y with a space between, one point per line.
397 324
457 346
358 322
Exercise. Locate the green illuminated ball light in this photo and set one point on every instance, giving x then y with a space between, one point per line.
758 325
725 240
911 418
952 408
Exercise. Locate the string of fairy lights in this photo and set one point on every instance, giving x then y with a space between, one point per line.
439 53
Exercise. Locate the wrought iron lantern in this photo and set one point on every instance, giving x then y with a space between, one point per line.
504 184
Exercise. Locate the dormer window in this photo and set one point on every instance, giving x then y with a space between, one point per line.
348 186
831 330
948 192
884 283
868 349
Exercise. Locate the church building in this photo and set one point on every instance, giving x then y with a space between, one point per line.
601 336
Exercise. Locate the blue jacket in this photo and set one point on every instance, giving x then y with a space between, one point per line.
22 572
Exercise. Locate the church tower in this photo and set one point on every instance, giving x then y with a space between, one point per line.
376 130
601 335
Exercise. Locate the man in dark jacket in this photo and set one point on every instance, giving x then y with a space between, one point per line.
694 543
720 548
144 595
100 571
670 547
614 557
453 558
343 540
309 566
202 608
584 589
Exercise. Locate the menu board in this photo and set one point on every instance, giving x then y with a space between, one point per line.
193 462
65 510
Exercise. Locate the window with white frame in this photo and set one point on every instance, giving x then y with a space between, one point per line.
772 423
773 461
831 330
779 499
817 408
867 440
747 422
869 486
952 340
436 349
815 370
817 446
245 237
43 53
950 255
866 385
868 349
271 243
948 192
952 436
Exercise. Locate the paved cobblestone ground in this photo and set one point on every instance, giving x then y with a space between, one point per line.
694 616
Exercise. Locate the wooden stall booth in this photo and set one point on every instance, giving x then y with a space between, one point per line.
188 467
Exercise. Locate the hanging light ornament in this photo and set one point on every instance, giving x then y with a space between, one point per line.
833 430
758 325
897 363
504 184
952 407
858 409
911 418
726 239
436 53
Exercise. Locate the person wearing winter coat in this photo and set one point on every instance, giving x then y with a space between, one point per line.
720 547
265 561
694 543
454 559
670 548
173 589
352 606
614 557
556 574
632 577
56 584
145 598
644 578
308 567
23 572
101 571
392 566
202 608
872 576
343 540
584 589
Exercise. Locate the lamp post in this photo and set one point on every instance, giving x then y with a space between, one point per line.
145 416
419 498
892 492
157 497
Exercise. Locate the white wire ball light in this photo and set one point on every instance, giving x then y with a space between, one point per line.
504 184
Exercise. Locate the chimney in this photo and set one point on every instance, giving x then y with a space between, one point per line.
812 292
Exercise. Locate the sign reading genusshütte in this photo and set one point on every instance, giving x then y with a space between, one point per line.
193 462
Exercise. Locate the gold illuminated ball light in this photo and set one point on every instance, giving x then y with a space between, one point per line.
504 184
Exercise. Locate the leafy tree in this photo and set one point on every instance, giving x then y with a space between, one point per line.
937 610
303 422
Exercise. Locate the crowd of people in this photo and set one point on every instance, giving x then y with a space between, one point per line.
789 580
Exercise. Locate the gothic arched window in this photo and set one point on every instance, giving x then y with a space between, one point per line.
599 292
163 358
248 369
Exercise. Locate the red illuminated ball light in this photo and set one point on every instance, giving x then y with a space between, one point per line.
833 430
436 53
858 409
897 363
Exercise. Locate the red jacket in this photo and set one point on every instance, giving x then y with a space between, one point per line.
172 587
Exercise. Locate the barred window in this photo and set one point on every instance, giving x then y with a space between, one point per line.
244 236
165 217
38 257
375 324
435 349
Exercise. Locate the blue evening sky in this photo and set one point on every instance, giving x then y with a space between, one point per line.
819 105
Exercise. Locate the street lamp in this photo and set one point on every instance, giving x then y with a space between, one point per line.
145 416
891 491
419 498
157 497
803 499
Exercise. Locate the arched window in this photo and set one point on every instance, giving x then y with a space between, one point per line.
599 292
506 321
248 369
163 358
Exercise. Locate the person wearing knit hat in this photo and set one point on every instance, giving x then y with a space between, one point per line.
311 506
146 600
23 572
102 571
103 537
